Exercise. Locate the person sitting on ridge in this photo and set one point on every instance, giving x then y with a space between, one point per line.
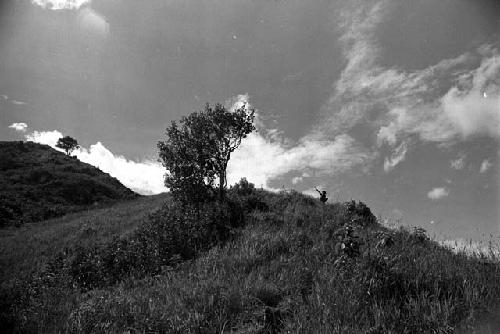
322 195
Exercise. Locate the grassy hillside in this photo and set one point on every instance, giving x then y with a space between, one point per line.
265 263
26 250
38 183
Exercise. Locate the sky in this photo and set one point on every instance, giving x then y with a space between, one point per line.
395 103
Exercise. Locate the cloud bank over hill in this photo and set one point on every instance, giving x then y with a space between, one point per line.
144 177
267 154
263 156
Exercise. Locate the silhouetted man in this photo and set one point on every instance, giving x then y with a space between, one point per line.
322 195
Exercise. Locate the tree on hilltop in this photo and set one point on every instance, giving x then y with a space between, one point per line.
198 149
68 144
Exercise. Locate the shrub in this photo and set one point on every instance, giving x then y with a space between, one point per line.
243 187
419 235
68 144
249 198
349 242
360 213
176 233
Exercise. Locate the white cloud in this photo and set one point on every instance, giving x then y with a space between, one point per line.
397 156
463 111
45 137
458 163
485 166
358 22
87 18
266 154
61 4
21 127
449 101
260 160
438 193
237 102
145 177
90 20
300 178
262 156
475 109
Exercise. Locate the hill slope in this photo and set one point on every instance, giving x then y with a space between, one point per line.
294 265
26 249
38 183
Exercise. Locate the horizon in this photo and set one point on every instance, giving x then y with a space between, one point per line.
392 103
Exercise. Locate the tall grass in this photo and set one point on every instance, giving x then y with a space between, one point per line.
27 250
297 266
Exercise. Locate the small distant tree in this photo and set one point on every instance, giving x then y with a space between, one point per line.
243 187
68 144
198 149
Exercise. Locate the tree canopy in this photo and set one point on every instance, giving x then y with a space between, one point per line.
68 144
197 150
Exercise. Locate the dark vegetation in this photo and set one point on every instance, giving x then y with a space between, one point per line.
38 183
259 263
68 144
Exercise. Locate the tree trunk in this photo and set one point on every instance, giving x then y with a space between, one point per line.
222 178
